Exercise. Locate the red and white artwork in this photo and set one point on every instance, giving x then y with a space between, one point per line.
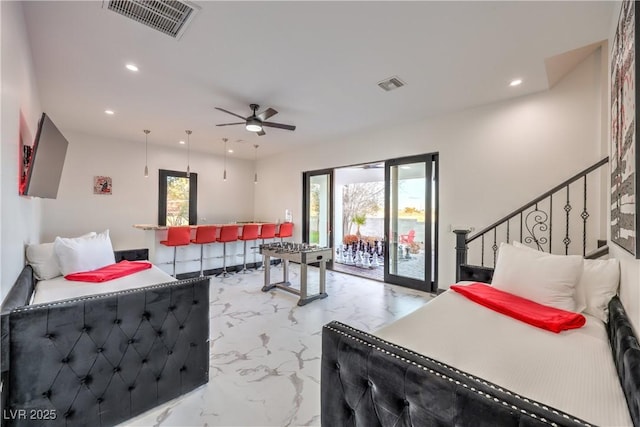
102 185
623 131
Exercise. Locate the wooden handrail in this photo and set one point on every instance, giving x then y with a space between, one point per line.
540 198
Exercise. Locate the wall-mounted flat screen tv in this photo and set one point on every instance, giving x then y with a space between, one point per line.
46 162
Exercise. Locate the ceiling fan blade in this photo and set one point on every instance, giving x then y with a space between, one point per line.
262 132
229 112
269 112
278 125
230 124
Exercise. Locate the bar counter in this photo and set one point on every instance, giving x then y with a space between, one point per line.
188 257
148 227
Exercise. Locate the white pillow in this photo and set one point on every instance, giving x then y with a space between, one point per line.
598 284
600 279
84 254
546 279
579 295
42 258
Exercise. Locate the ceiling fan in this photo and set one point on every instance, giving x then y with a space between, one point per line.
257 121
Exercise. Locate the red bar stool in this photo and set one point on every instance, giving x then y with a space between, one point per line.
285 230
205 234
228 233
267 231
249 232
177 236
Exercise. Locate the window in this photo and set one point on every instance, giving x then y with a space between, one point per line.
178 198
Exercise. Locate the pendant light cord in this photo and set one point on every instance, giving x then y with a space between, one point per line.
188 132
224 175
255 164
146 152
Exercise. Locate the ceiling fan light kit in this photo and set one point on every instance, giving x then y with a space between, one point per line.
256 121
253 125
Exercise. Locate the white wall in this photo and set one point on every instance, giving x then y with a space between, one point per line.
135 198
493 158
19 216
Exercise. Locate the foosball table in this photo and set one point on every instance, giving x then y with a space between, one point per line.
303 254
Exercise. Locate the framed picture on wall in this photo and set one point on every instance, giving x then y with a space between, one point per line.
102 185
624 156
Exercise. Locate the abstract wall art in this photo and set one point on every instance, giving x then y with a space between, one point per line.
624 156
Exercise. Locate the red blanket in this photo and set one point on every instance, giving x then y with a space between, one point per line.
542 316
109 272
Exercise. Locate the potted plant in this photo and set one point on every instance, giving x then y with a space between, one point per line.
359 220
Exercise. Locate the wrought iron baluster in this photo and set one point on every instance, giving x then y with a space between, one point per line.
567 240
482 252
536 222
520 227
550 221
495 246
584 216
507 231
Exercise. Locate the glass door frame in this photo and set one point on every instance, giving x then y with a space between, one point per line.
306 208
431 162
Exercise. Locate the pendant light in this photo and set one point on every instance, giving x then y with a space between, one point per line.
224 175
188 132
146 152
255 164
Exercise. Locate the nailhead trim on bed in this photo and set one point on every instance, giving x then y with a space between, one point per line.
106 295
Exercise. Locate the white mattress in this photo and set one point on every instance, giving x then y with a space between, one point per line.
572 371
60 288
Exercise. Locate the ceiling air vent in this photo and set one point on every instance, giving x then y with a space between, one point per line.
166 16
391 83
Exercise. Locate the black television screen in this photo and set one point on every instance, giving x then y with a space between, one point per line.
46 162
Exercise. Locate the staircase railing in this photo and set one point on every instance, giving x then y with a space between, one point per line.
534 222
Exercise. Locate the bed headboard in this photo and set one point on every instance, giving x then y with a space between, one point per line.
132 255
475 273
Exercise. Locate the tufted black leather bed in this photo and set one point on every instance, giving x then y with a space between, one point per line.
100 360
367 381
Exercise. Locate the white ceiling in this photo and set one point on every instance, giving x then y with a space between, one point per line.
317 63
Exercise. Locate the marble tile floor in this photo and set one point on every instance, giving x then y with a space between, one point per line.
265 350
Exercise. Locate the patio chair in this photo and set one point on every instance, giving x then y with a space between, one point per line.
407 239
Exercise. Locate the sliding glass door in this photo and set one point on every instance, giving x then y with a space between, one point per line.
411 194
318 212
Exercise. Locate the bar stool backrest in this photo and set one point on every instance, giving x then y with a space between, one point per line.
267 231
178 236
286 229
250 231
228 233
205 234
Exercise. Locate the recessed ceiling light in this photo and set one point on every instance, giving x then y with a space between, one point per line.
131 67
515 82
109 112
181 142
230 151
